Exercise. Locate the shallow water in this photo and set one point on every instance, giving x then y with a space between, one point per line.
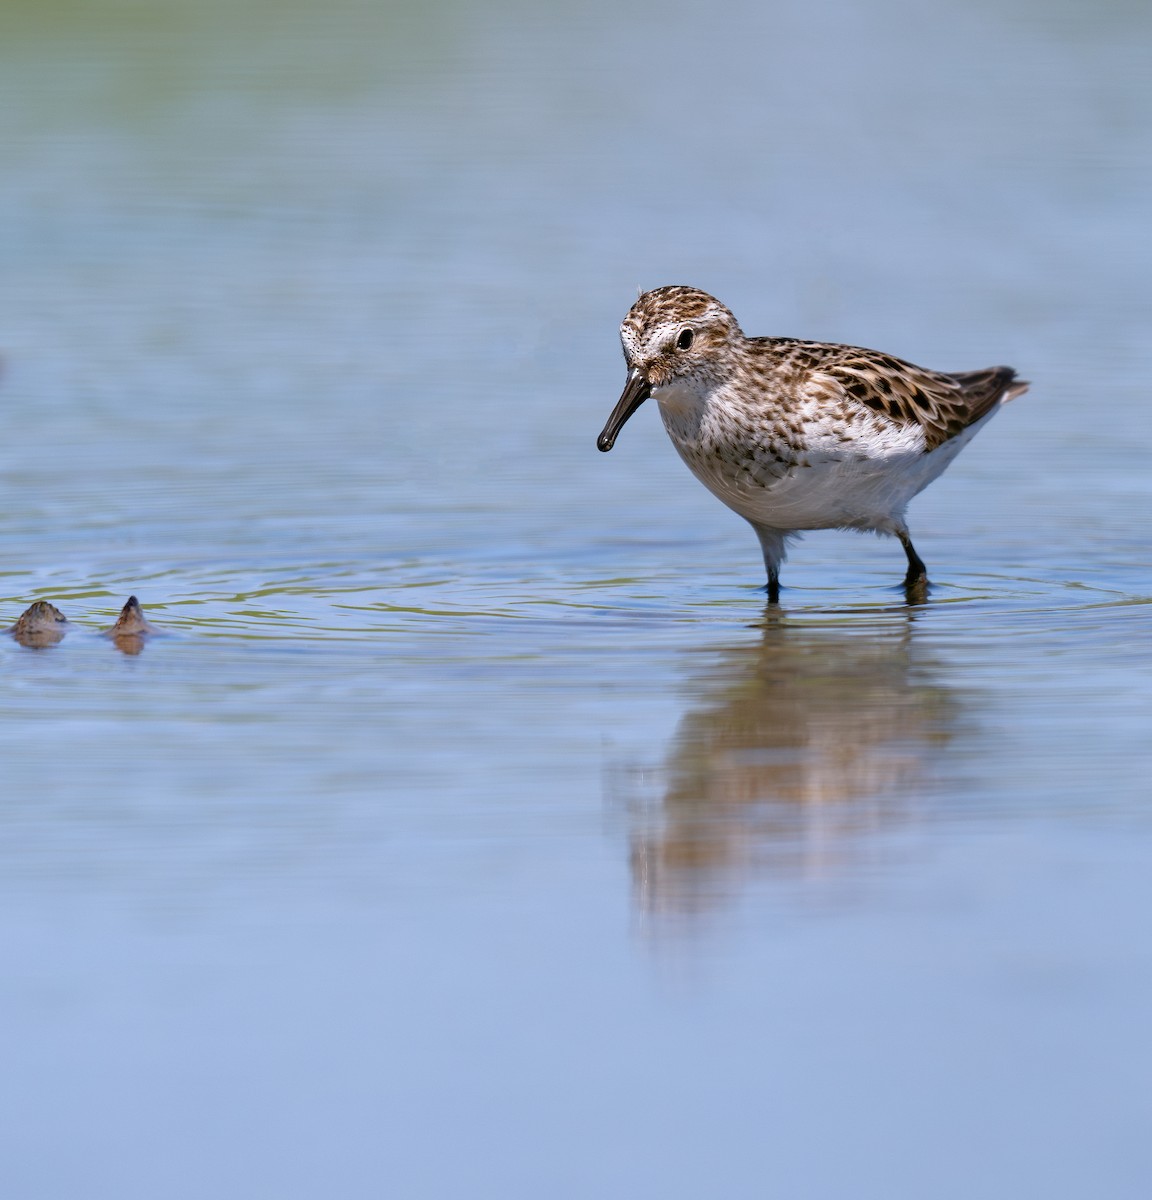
476 829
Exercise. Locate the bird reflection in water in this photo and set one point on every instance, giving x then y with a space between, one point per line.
793 749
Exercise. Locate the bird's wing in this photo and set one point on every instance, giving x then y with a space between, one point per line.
942 405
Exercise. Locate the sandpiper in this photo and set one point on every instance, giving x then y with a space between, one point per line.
796 435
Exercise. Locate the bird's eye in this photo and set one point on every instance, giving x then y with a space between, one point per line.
684 341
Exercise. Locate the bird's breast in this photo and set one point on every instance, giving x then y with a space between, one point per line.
794 470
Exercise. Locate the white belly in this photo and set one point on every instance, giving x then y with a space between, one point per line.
847 492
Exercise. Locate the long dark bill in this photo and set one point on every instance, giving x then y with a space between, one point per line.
636 391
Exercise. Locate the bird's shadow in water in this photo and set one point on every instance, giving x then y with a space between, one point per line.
794 750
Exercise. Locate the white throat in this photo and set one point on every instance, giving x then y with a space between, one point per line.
681 396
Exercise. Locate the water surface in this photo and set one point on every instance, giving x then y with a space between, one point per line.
477 829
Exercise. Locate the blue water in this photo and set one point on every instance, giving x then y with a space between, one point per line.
475 829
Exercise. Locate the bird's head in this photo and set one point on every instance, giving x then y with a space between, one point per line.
671 335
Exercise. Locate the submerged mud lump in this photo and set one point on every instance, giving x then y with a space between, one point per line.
131 628
40 625
131 622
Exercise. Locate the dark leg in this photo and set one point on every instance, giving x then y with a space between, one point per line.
773 586
916 581
772 542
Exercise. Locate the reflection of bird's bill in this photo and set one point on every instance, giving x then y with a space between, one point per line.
636 391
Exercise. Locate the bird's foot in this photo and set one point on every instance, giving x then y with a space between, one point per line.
916 587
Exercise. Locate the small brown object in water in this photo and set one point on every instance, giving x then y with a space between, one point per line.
131 628
40 625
